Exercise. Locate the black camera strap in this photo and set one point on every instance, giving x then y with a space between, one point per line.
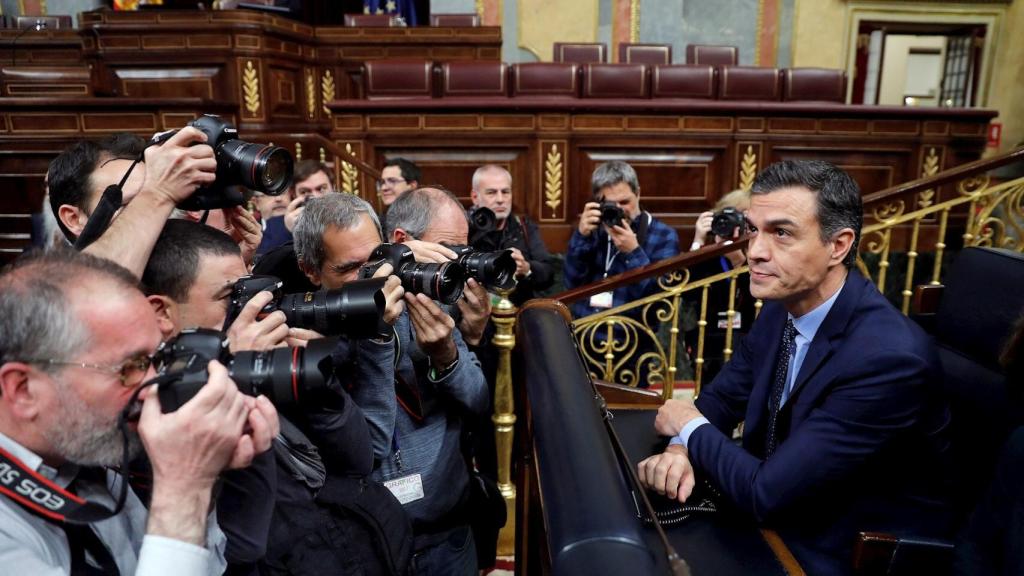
110 202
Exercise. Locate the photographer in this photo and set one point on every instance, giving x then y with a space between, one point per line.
311 179
70 361
492 189
437 381
602 248
397 176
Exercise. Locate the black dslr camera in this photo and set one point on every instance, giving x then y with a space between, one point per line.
442 282
483 223
492 269
258 167
355 310
726 221
612 214
286 376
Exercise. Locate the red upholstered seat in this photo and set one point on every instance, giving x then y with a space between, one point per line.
713 55
455 20
615 81
398 79
684 81
651 54
558 79
814 85
368 20
580 53
474 78
749 83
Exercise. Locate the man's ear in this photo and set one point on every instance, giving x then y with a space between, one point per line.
398 235
474 197
842 243
18 391
166 311
73 218
313 275
414 183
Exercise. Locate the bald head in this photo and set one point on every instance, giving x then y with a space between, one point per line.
430 214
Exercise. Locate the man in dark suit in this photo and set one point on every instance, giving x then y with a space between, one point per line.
844 430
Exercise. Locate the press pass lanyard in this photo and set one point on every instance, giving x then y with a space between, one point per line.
609 258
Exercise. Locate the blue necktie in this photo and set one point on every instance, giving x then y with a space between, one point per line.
779 385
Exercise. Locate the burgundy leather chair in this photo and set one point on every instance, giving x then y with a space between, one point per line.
52 22
389 79
455 20
651 54
713 55
814 85
749 83
580 53
684 81
368 20
552 79
474 78
615 81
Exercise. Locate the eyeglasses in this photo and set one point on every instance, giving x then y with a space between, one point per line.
390 182
131 373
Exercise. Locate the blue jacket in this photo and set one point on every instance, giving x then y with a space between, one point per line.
863 435
585 260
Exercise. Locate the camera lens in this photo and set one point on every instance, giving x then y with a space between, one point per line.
266 169
442 282
284 375
497 269
355 310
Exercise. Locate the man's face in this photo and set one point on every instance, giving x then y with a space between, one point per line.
622 195
313 187
345 251
494 191
788 260
271 206
207 303
80 423
109 171
392 184
448 225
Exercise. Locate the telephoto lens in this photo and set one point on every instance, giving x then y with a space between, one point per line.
441 282
286 376
492 269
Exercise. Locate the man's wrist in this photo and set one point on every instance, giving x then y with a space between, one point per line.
697 245
178 510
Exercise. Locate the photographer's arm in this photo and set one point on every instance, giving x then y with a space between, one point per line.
173 172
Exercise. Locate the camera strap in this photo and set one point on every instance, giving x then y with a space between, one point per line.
641 237
109 204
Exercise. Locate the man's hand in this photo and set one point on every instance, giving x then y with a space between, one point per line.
433 329
668 473
249 333
175 168
590 218
475 305
703 228
293 212
623 237
673 415
430 251
300 337
263 425
244 230
393 293
522 264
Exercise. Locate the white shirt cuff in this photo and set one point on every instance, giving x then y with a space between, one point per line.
161 555
696 246
684 434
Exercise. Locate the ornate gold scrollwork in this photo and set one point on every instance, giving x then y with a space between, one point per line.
748 168
349 174
251 88
310 95
611 349
973 185
553 180
298 151
889 211
930 167
323 155
1000 222
480 8
634 21
327 90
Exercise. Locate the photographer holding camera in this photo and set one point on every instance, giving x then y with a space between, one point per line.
614 235
71 363
492 189
415 418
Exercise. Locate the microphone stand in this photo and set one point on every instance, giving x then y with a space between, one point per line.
38 26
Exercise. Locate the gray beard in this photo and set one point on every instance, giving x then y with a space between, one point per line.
88 439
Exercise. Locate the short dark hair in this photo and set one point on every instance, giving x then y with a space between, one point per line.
174 263
410 171
839 203
306 168
68 178
414 210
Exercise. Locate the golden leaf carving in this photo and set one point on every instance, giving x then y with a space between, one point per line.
349 174
748 169
323 156
929 167
298 151
310 94
480 8
251 88
327 90
553 180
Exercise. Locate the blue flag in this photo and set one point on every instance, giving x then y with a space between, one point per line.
404 8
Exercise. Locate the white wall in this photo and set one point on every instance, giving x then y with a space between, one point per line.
904 74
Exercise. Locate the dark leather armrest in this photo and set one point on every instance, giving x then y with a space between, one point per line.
880 554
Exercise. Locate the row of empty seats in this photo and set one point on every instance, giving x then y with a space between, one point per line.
596 53
391 79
